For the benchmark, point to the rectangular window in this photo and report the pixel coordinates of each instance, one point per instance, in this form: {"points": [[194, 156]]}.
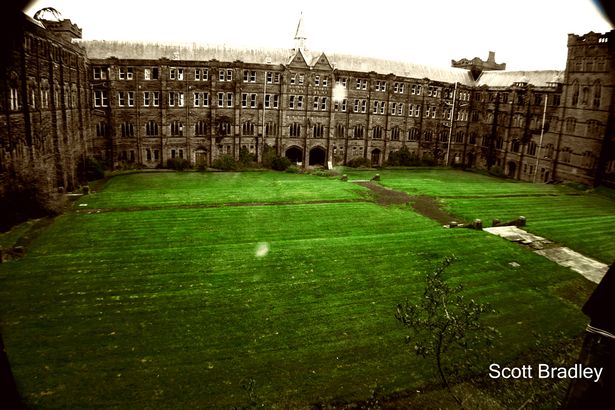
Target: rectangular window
{"points": [[171, 99], [269, 77], [221, 75], [205, 99], [229, 74], [276, 101], [131, 98], [301, 78], [156, 99], [291, 102], [316, 103], [323, 103], [364, 106], [253, 101], [100, 73], [317, 81], [325, 81], [14, 99], [229, 99], [121, 99], [147, 74], [100, 99], [197, 99], [300, 102], [267, 100], [244, 100], [220, 99]]}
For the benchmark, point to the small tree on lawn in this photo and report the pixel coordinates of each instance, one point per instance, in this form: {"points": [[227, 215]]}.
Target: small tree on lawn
{"points": [[445, 325]]}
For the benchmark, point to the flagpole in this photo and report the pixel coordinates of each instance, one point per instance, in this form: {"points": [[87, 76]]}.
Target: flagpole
{"points": [[542, 131]]}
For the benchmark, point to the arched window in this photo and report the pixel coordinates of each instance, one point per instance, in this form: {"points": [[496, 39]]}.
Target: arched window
{"points": [[358, 131], [151, 129], [318, 131], [377, 132], [597, 94], [247, 128], [177, 129], [340, 131], [295, 129], [575, 93], [395, 134], [200, 128]]}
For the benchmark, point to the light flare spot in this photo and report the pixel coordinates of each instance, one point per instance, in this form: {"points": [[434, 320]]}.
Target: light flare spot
{"points": [[262, 249]]}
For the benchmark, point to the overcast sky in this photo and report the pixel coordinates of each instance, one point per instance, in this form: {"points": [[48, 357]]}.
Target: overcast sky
{"points": [[525, 34]]}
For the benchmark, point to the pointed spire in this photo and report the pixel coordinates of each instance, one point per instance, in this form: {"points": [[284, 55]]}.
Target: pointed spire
{"points": [[300, 36]]}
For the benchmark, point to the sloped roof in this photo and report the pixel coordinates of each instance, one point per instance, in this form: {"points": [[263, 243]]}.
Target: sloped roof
{"points": [[507, 78], [100, 49], [402, 69]]}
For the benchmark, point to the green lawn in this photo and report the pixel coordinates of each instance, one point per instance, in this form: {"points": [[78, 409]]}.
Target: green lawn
{"points": [[165, 306]]}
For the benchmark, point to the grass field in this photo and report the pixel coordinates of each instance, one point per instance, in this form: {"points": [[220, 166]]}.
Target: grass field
{"points": [[149, 297]]}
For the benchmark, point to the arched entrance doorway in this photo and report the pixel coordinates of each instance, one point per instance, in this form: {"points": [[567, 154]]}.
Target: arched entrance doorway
{"points": [[294, 154], [512, 168], [201, 159], [470, 158], [376, 157], [317, 156]]}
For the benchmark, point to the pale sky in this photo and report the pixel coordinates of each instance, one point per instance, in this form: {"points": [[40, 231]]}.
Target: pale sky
{"points": [[525, 34]]}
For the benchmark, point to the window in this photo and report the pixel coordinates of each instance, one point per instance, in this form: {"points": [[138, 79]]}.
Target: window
{"points": [[100, 99], [427, 135], [151, 129], [316, 81], [271, 129], [14, 100], [177, 129], [340, 131], [571, 124], [575, 93], [593, 128], [301, 78], [125, 73], [531, 148], [249, 76], [147, 99], [220, 99], [156, 99], [398, 88], [361, 84], [381, 85], [415, 89], [363, 106], [100, 73], [131, 98], [229, 99], [358, 132], [472, 138], [395, 134], [588, 160], [127, 130], [459, 136], [247, 128], [566, 153], [318, 130], [597, 94], [101, 129], [224, 127], [269, 103], [121, 98], [200, 128], [201, 74], [176, 73], [291, 102], [225, 74], [316, 103], [515, 146], [413, 134], [295, 129]]}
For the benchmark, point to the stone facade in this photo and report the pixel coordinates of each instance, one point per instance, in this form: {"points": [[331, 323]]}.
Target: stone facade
{"points": [[143, 104], [45, 101]]}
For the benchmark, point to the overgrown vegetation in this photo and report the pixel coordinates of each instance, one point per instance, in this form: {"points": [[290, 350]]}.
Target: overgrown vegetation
{"points": [[359, 162]]}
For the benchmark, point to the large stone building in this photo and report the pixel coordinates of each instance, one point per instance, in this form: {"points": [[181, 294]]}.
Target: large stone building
{"points": [[145, 103]]}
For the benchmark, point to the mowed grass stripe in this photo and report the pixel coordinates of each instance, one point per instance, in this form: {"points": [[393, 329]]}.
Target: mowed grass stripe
{"points": [[202, 188], [172, 308]]}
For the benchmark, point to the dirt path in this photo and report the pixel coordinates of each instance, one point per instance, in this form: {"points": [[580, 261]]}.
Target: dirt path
{"points": [[424, 205]]}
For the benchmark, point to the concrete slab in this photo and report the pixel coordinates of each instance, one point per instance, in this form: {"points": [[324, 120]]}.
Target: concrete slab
{"points": [[590, 268], [515, 234]]}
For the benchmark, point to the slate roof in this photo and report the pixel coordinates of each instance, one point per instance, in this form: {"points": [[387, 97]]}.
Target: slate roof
{"points": [[101, 49], [507, 78]]}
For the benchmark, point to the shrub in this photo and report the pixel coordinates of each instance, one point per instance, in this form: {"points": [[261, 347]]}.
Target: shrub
{"points": [[280, 163], [246, 157], [92, 169], [293, 169], [403, 158], [226, 163], [178, 164], [29, 192], [359, 162], [497, 171]]}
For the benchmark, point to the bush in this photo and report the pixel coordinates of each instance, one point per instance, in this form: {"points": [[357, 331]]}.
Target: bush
{"points": [[178, 164], [246, 157], [497, 171], [29, 193], [293, 169], [403, 158], [359, 162], [92, 169], [280, 163], [226, 163]]}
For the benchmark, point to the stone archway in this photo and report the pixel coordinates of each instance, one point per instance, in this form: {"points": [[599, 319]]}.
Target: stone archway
{"points": [[294, 154], [376, 153], [470, 159], [512, 168], [318, 156], [201, 159]]}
